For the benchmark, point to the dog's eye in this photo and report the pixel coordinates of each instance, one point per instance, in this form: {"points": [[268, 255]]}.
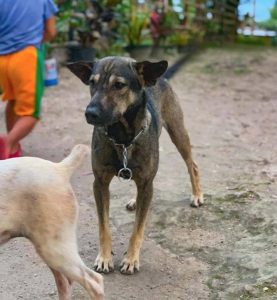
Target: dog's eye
{"points": [[92, 82], [119, 85]]}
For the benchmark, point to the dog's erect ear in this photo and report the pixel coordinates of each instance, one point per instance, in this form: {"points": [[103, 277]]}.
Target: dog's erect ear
{"points": [[150, 72], [81, 69]]}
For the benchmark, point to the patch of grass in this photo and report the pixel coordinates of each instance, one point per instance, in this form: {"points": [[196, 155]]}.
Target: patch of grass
{"points": [[239, 197], [227, 274], [259, 291], [241, 70], [268, 288], [254, 40]]}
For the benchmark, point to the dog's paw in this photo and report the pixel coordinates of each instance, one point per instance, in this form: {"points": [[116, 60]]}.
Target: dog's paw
{"points": [[197, 200], [103, 264], [99, 287], [129, 266], [131, 205]]}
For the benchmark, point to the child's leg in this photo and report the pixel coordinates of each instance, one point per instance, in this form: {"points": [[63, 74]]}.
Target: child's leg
{"points": [[11, 119], [25, 74], [23, 126], [10, 115]]}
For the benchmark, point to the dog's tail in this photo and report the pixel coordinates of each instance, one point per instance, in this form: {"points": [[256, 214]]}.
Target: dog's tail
{"points": [[75, 158]]}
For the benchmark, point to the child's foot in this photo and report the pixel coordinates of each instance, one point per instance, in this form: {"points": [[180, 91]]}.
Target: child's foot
{"points": [[4, 150], [17, 153]]}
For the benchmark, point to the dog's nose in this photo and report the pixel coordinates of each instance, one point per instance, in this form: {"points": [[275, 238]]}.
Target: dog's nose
{"points": [[92, 114]]}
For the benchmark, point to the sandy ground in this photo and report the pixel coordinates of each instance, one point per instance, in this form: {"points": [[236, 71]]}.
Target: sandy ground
{"points": [[224, 250]]}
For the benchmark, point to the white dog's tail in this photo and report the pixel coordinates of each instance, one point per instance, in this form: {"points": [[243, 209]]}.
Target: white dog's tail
{"points": [[75, 158]]}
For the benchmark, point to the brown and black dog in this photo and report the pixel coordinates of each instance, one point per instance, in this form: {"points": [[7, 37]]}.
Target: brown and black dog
{"points": [[130, 103]]}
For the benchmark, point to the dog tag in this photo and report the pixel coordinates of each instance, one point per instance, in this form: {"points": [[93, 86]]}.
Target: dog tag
{"points": [[125, 174]]}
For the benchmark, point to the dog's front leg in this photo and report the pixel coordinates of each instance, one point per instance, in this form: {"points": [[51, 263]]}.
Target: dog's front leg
{"points": [[130, 262], [104, 261]]}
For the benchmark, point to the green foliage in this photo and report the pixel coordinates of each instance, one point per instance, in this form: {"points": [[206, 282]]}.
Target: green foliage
{"points": [[253, 40], [78, 20], [62, 23], [132, 22], [271, 23], [170, 19], [70, 17], [177, 39], [212, 26]]}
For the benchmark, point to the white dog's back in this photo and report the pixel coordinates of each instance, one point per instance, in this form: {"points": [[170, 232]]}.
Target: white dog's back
{"points": [[19, 172], [30, 188]]}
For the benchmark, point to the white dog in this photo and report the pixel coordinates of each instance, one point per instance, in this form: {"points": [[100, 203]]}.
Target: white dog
{"points": [[37, 202]]}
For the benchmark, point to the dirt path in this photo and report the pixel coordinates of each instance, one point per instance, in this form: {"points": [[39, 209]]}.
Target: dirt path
{"points": [[224, 250]]}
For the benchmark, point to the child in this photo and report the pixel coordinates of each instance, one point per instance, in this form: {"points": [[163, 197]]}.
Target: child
{"points": [[24, 26]]}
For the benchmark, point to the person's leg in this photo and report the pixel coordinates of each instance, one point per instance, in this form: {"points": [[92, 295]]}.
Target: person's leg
{"points": [[23, 126], [11, 119], [10, 115], [26, 74], [8, 94]]}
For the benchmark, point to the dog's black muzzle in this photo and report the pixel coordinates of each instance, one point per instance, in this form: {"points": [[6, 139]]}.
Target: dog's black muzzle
{"points": [[97, 117], [93, 115]]}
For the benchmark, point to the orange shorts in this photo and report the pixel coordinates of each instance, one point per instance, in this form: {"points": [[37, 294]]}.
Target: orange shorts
{"points": [[21, 79]]}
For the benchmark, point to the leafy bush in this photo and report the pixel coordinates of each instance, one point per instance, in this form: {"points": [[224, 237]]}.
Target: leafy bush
{"points": [[132, 22]]}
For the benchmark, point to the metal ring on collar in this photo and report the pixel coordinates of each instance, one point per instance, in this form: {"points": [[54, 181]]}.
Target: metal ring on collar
{"points": [[122, 178]]}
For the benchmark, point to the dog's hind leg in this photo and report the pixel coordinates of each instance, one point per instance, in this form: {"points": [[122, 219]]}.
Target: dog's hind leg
{"points": [[104, 260], [131, 205], [174, 124], [93, 284], [63, 285], [67, 266]]}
